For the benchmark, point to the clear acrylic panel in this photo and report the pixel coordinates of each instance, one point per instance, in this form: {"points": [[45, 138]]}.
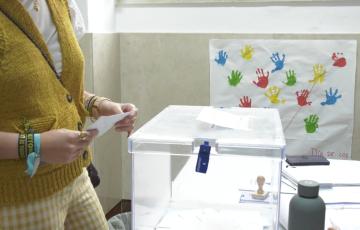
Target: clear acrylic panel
{"points": [[168, 193]]}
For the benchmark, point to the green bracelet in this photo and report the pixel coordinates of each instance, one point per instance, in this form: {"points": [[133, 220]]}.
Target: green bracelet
{"points": [[22, 146]]}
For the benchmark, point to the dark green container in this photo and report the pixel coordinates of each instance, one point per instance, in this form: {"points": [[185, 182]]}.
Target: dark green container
{"points": [[307, 209]]}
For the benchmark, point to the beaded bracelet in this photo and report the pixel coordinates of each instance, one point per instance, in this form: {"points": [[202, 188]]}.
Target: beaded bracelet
{"points": [[97, 103], [88, 103], [94, 102]]}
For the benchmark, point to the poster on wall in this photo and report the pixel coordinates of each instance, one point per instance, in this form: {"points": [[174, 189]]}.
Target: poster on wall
{"points": [[310, 82]]}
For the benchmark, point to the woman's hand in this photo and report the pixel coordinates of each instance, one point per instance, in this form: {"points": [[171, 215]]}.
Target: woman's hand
{"points": [[60, 146], [107, 108]]}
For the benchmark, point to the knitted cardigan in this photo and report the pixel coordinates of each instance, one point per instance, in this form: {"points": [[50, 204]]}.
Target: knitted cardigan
{"points": [[33, 97]]}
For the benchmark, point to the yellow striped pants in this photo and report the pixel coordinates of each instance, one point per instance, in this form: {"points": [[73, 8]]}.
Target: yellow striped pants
{"points": [[75, 207]]}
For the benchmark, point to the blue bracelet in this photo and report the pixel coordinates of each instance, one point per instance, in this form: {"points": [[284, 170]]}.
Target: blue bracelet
{"points": [[33, 159]]}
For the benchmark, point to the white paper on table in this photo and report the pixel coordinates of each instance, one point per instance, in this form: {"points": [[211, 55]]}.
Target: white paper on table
{"points": [[342, 204], [334, 196], [345, 217], [224, 119], [104, 123], [338, 173], [212, 219]]}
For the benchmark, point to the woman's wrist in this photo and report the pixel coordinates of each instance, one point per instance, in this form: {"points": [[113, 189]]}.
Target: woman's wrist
{"points": [[9, 146], [93, 105], [96, 108]]}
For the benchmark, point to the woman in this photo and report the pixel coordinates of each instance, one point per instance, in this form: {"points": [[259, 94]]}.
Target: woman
{"points": [[43, 109]]}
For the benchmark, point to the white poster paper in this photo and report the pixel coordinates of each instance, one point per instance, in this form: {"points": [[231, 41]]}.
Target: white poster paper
{"points": [[311, 82]]}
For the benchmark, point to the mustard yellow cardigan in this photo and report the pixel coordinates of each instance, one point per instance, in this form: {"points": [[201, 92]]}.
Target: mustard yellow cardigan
{"points": [[30, 93]]}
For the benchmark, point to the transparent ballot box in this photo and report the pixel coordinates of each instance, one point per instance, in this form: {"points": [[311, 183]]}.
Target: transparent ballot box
{"points": [[204, 168]]}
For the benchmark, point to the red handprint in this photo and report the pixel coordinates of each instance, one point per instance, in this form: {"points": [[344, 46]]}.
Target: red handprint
{"points": [[302, 97], [263, 80], [338, 59], [245, 102]]}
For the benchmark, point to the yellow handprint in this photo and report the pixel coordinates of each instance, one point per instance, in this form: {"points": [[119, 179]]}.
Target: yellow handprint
{"points": [[273, 95], [319, 74], [247, 52]]}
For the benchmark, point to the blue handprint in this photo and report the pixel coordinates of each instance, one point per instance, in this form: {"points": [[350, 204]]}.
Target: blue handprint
{"points": [[279, 63], [222, 57], [331, 97]]}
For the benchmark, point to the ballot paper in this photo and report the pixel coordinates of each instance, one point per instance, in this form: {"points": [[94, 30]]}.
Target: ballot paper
{"points": [[219, 117], [104, 123]]}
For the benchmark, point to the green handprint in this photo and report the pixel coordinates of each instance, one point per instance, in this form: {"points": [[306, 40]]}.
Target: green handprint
{"points": [[311, 123], [247, 52], [235, 78], [291, 78]]}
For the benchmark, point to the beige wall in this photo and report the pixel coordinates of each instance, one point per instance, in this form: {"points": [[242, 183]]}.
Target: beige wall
{"points": [[102, 77], [153, 71]]}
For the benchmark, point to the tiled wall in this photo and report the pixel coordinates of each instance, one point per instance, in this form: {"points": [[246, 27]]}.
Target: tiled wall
{"points": [[153, 71]]}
